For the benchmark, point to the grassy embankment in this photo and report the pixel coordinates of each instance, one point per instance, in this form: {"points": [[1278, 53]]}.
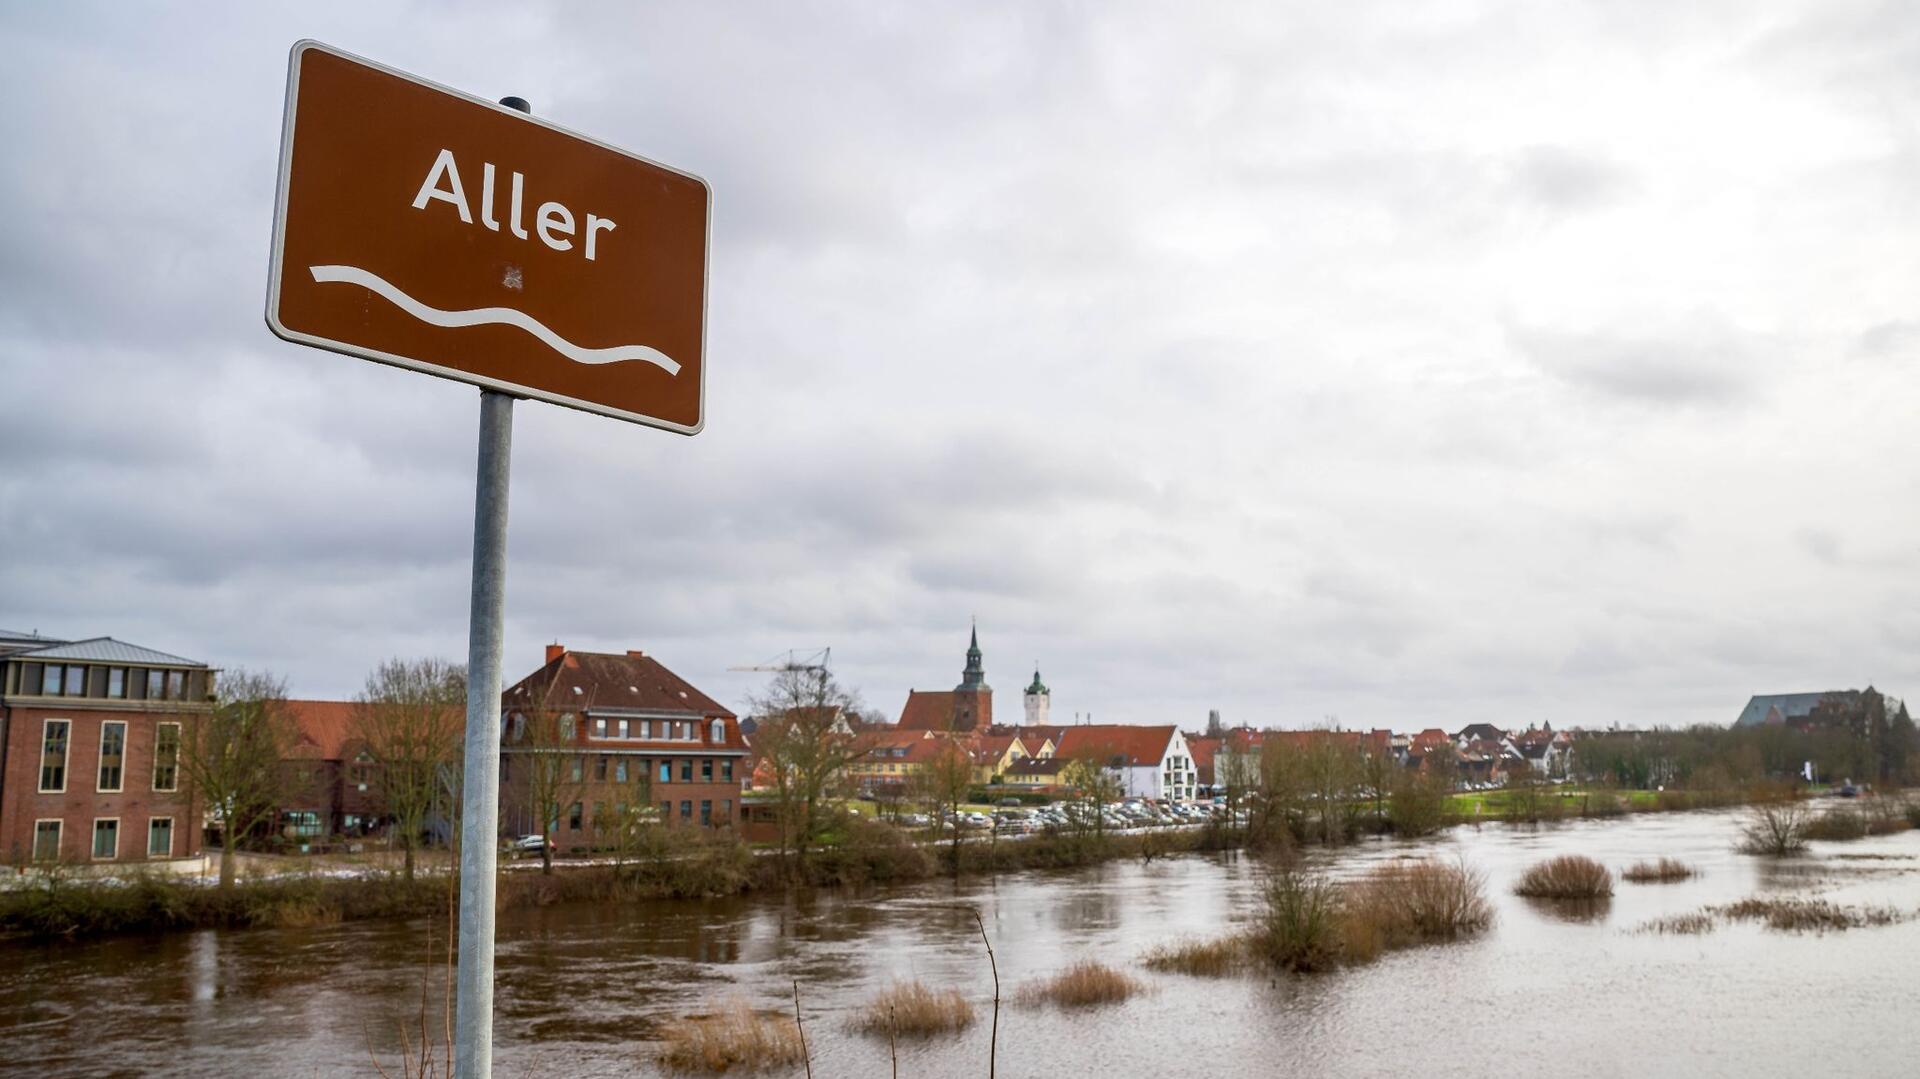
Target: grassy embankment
{"points": [[681, 865]]}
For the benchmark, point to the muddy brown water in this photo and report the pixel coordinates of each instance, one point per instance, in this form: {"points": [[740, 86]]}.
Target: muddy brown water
{"points": [[585, 990]]}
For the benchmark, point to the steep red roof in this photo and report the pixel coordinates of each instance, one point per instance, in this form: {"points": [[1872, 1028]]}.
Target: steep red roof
{"points": [[607, 687], [1202, 748], [935, 710], [321, 729], [927, 710], [1140, 746]]}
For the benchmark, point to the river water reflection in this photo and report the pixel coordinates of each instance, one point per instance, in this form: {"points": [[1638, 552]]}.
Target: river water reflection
{"points": [[584, 990]]}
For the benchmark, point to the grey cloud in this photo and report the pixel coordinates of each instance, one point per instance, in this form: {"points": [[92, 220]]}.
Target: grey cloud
{"points": [[1697, 362]]}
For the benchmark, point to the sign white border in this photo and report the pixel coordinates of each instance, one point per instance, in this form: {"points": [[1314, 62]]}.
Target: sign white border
{"points": [[513, 388]]}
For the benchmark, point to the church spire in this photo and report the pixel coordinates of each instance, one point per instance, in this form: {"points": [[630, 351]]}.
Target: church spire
{"points": [[975, 675]]}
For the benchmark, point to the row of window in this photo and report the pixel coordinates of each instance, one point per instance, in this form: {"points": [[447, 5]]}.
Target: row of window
{"points": [[108, 683], [652, 730], [619, 769], [576, 813], [668, 730], [106, 838], [55, 741]]}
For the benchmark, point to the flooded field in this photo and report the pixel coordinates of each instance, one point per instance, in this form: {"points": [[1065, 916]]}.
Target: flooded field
{"points": [[585, 991]]}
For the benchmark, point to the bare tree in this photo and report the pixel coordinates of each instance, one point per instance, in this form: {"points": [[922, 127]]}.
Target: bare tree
{"points": [[632, 819], [232, 756], [1332, 767], [548, 769], [1277, 801], [807, 745], [1090, 774], [411, 717], [944, 782]]}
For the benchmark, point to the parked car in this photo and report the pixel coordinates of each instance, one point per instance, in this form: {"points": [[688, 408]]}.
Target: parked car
{"points": [[527, 844], [1011, 802]]}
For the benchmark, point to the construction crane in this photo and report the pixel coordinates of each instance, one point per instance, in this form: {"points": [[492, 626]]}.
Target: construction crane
{"points": [[793, 660]]}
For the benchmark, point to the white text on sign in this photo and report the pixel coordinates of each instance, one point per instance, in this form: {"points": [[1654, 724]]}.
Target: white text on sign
{"points": [[552, 221]]}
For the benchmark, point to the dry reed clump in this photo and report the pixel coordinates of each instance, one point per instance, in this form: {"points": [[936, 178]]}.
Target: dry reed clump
{"points": [[1214, 958], [733, 1037], [1664, 871], [912, 1010], [1809, 915], [1312, 924], [1082, 985], [1570, 876], [1699, 921], [1838, 825], [1398, 906]]}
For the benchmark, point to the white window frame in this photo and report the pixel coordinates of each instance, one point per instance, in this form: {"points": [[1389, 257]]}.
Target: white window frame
{"points": [[100, 757], [169, 851], [59, 836], [66, 756], [717, 732], [93, 840], [179, 748], [624, 727]]}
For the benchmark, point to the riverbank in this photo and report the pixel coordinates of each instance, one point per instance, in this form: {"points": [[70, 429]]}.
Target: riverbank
{"points": [[684, 866], [54, 905]]}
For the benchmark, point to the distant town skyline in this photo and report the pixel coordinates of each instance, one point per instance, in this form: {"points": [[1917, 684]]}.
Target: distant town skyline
{"points": [[1413, 368]]}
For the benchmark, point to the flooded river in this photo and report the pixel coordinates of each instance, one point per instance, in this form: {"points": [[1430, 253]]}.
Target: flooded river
{"points": [[585, 990]]}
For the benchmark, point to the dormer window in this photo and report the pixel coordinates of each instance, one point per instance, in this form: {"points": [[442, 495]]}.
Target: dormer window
{"points": [[717, 732]]}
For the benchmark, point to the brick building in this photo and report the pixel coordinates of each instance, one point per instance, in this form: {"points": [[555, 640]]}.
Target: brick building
{"points": [[965, 708], [329, 775], [624, 728], [91, 734]]}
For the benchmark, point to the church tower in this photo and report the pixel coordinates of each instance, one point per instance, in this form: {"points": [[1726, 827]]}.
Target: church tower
{"points": [[973, 698], [1038, 698]]}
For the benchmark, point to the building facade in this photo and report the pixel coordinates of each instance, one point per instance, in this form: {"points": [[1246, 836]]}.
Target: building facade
{"points": [[624, 732], [91, 737]]}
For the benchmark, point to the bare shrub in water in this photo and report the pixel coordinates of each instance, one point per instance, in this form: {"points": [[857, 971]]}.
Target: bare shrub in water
{"points": [[1570, 876], [733, 1037], [1300, 929], [1775, 825], [1082, 985], [1664, 871], [912, 1010]]}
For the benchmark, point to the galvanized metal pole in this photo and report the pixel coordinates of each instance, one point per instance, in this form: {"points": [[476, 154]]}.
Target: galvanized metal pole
{"points": [[480, 785]]}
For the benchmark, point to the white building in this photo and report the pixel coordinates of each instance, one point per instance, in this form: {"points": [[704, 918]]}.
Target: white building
{"points": [[1150, 762]]}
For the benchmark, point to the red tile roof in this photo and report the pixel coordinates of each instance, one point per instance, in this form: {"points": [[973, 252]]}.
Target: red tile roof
{"points": [[322, 729], [933, 710], [608, 685], [605, 680], [1140, 746]]}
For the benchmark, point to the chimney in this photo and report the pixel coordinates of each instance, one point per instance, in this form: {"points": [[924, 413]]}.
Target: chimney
{"points": [[555, 651], [635, 653]]}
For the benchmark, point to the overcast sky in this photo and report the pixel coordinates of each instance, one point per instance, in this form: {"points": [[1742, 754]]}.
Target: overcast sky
{"points": [[1414, 364]]}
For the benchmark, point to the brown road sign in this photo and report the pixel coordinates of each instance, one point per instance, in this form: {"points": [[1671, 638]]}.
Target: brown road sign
{"points": [[422, 227]]}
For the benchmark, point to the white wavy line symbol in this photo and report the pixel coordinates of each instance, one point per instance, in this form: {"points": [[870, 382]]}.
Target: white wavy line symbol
{"points": [[483, 316]]}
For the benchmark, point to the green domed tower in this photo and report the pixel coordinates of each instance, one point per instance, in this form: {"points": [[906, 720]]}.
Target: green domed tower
{"points": [[1038, 698]]}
